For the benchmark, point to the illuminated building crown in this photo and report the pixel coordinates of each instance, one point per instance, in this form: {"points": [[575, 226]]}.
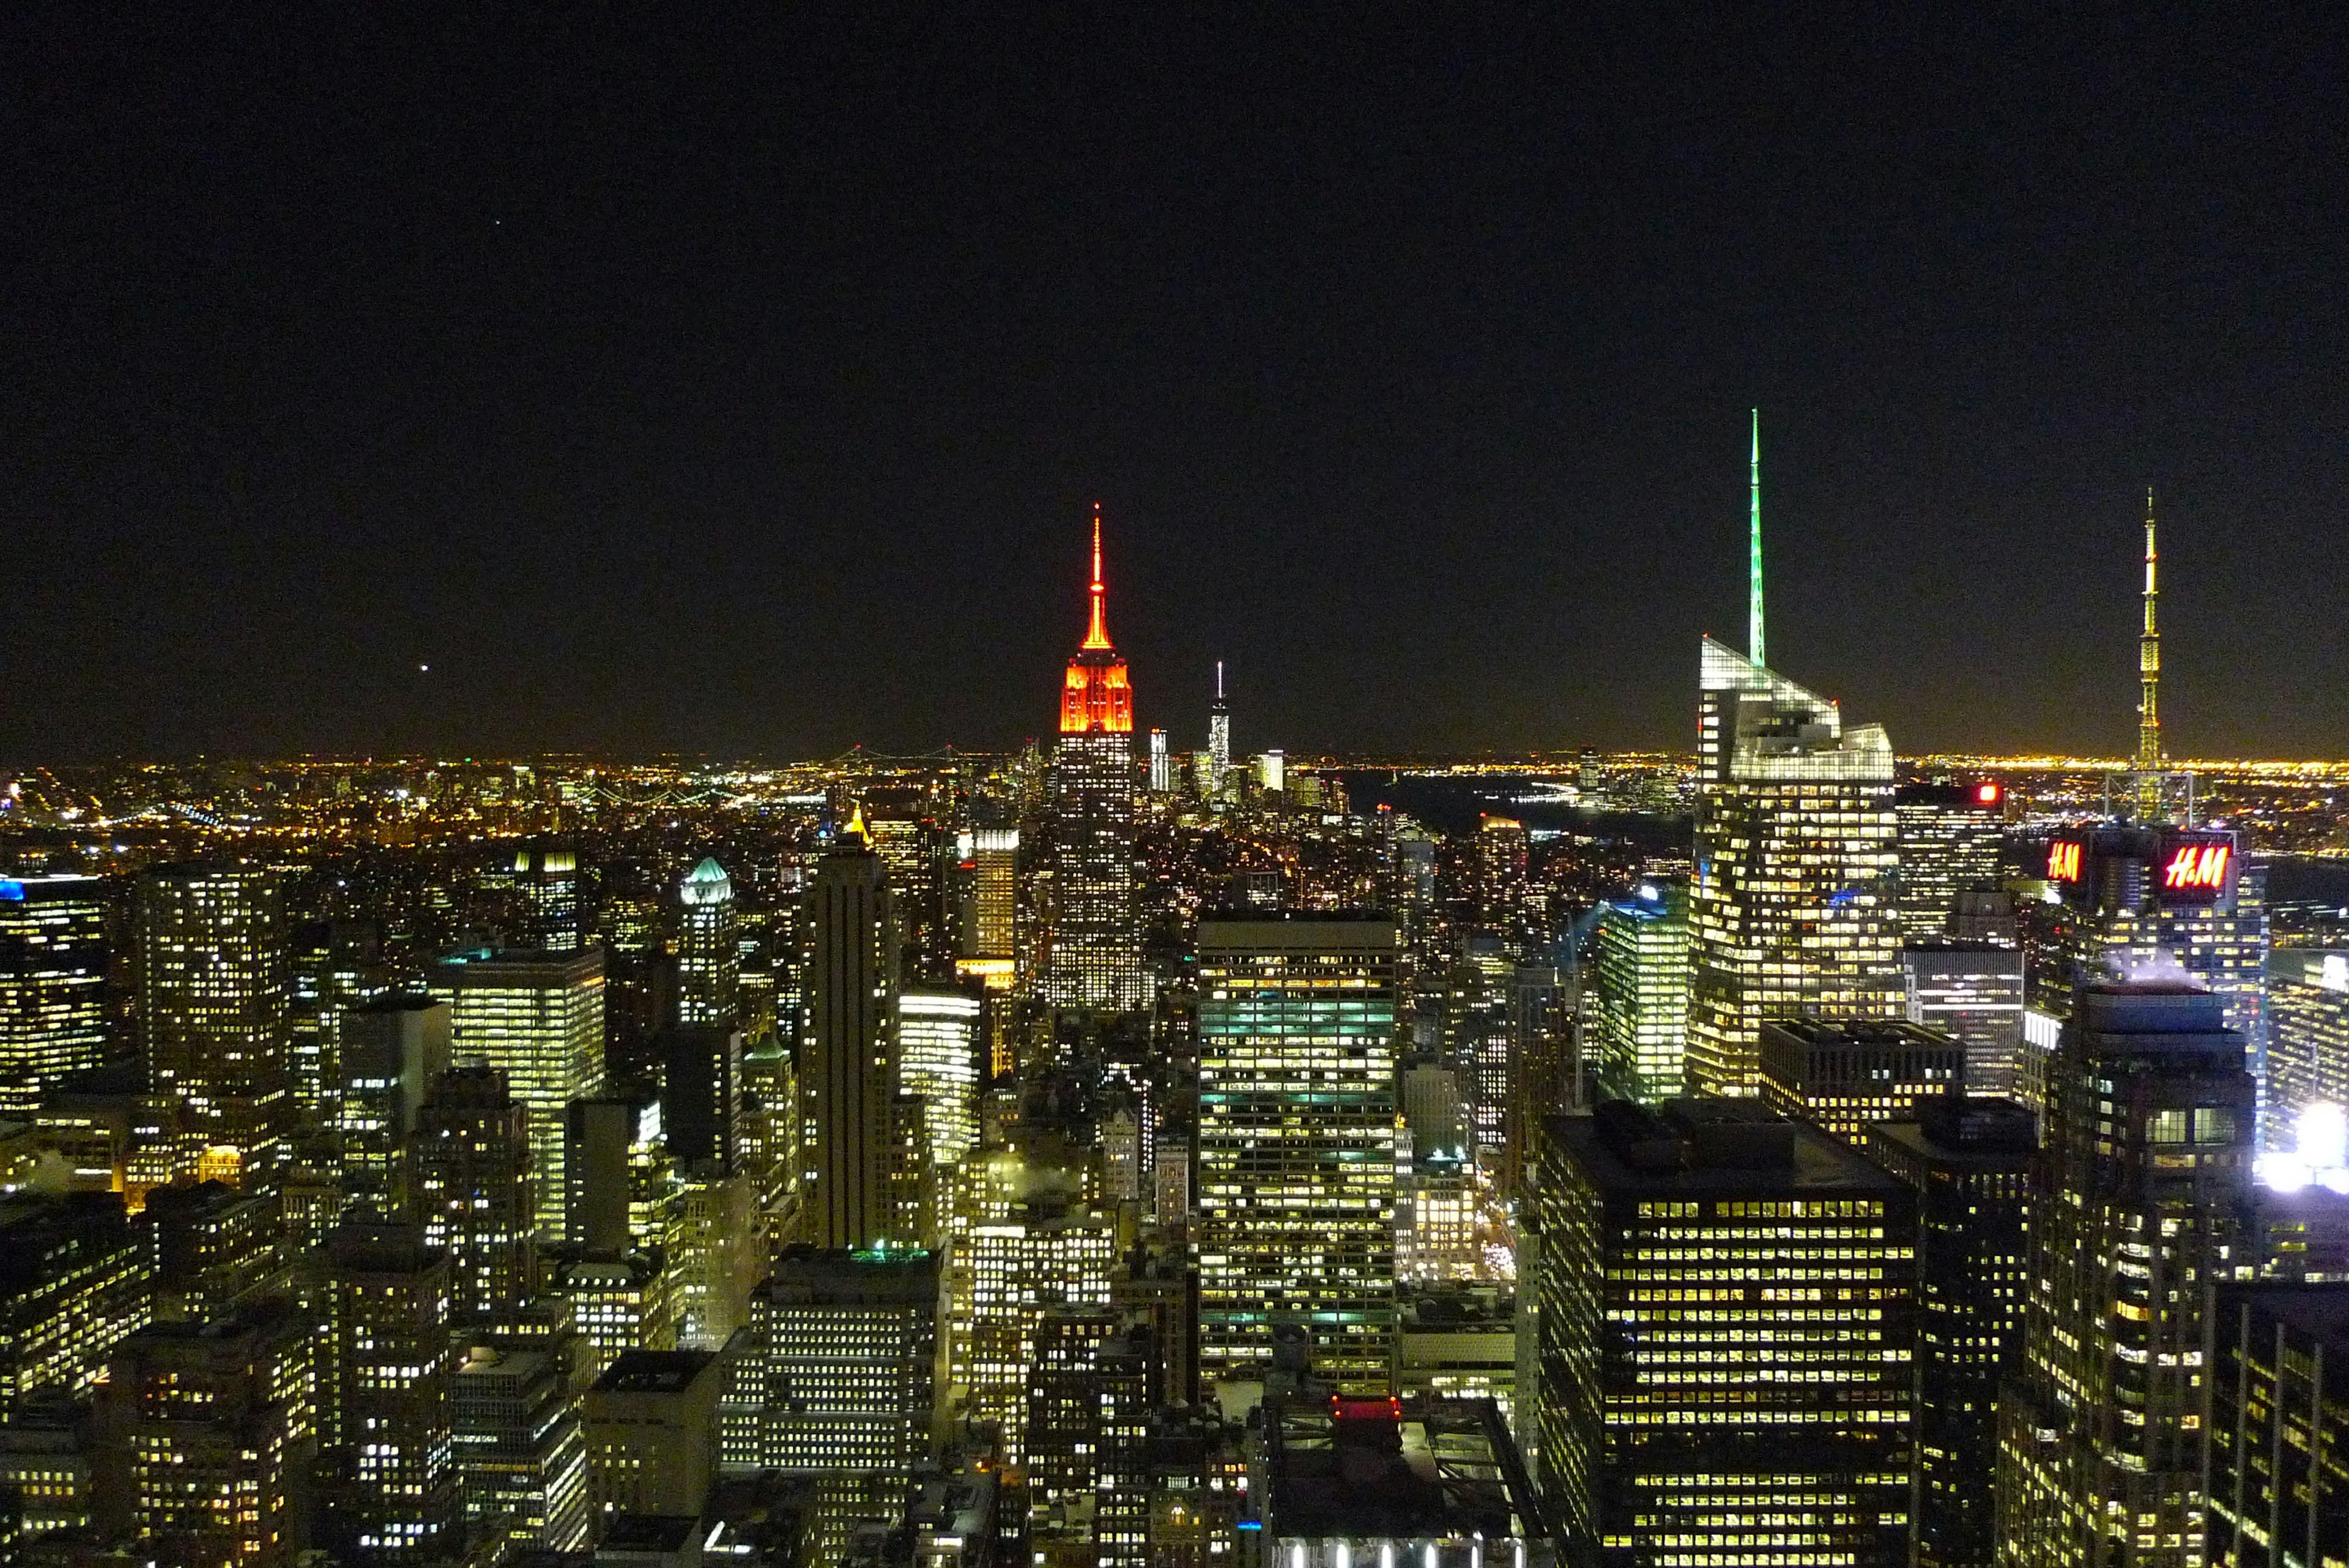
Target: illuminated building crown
{"points": [[1097, 698]]}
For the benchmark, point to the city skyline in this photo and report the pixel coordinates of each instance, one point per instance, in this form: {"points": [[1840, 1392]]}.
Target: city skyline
{"points": [[1412, 368]]}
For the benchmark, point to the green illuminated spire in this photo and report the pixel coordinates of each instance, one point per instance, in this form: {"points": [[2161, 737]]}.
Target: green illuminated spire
{"points": [[1754, 648]]}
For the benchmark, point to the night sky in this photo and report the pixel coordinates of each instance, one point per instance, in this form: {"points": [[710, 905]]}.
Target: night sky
{"points": [[744, 388]]}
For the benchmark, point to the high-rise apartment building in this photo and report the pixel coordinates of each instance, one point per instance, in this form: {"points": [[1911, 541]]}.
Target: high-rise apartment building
{"points": [[387, 1444], [53, 955], [1093, 956], [1638, 1039], [708, 955], [2279, 1427], [1969, 1161], [214, 1427], [538, 1018], [1796, 902], [475, 1191], [1846, 1072], [1725, 1314], [1971, 990], [1950, 835], [848, 1073], [1296, 1141], [213, 1011], [2145, 1172]]}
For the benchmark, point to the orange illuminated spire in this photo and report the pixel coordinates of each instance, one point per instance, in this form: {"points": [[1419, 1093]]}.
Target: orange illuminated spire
{"points": [[1097, 633]]}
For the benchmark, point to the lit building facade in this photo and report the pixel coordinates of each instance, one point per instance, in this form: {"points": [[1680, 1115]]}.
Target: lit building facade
{"points": [[1973, 989], [520, 1458], [2308, 1030], [75, 1280], [1950, 837], [53, 954], [1969, 1161], [1846, 1072], [1691, 1257], [938, 1045], [1093, 952], [1297, 1135], [708, 955], [387, 1445], [538, 1018], [1638, 1042], [392, 1049], [846, 1343], [475, 1193], [2144, 1202], [2278, 1428], [1795, 904], [989, 864], [213, 999]]}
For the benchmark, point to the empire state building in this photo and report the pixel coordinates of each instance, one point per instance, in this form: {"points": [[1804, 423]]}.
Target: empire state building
{"points": [[1094, 958]]}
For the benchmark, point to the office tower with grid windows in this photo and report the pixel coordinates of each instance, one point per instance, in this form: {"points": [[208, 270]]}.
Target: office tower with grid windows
{"points": [[1843, 1074], [2143, 1204], [2308, 1030], [848, 1071], [1726, 1316], [53, 956], [1949, 837], [1639, 962], [521, 1459], [938, 1067], [75, 1279], [1795, 904], [1969, 1161], [1094, 951], [845, 1344], [1297, 1142], [538, 1018], [1973, 989], [213, 998]]}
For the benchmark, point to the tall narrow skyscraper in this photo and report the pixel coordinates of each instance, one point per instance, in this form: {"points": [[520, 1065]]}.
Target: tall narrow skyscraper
{"points": [[709, 963], [1094, 956], [1219, 736], [1296, 1129], [849, 1075]]}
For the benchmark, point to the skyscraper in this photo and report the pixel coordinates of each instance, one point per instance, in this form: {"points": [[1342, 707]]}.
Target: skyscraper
{"points": [[1162, 773], [474, 1192], [1094, 955], [2145, 1170], [990, 869], [53, 952], [538, 1018], [392, 1049], [1844, 1074], [1969, 1161], [2279, 1425], [709, 962], [1296, 1141], [938, 1050], [1973, 989], [1641, 953], [1725, 1318], [1950, 835], [849, 1073], [212, 1008], [387, 1443], [1219, 736]]}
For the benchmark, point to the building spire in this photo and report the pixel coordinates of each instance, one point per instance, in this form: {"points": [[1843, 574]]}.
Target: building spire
{"points": [[2149, 667], [1754, 651], [1097, 632], [1219, 680]]}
